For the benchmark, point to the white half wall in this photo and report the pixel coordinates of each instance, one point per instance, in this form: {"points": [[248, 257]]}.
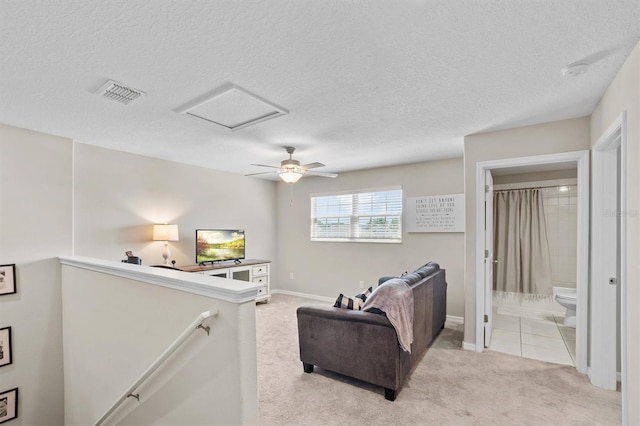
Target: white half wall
{"points": [[115, 327]]}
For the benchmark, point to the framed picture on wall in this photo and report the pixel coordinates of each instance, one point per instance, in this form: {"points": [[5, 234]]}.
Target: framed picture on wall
{"points": [[8, 405], [7, 279], [6, 357]]}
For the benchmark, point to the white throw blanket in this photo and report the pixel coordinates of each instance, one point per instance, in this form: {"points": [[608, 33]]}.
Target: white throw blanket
{"points": [[395, 298]]}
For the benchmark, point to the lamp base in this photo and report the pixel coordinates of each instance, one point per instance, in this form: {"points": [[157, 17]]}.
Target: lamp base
{"points": [[166, 253]]}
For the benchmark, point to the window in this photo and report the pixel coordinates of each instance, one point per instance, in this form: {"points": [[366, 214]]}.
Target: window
{"points": [[373, 216]]}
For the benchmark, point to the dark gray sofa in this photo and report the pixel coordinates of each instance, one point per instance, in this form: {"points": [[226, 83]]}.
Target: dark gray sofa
{"points": [[364, 345]]}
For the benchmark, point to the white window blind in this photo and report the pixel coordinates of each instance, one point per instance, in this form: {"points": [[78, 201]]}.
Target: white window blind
{"points": [[374, 216]]}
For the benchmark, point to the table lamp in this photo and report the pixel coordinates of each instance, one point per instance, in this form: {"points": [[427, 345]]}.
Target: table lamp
{"points": [[165, 233]]}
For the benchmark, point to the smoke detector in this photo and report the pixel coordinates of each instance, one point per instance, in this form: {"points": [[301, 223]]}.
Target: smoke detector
{"points": [[575, 69], [119, 92]]}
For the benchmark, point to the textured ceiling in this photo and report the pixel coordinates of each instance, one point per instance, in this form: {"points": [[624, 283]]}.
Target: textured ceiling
{"points": [[366, 83]]}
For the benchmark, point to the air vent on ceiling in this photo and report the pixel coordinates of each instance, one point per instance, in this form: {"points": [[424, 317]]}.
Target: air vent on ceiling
{"points": [[119, 92], [232, 108]]}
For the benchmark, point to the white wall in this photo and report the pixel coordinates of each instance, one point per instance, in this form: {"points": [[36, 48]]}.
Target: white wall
{"points": [[330, 268], [115, 328], [35, 228], [623, 95], [119, 196], [548, 138]]}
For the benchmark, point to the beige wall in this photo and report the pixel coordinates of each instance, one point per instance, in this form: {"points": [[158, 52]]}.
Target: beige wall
{"points": [[119, 196], [330, 268], [35, 228], [623, 95], [548, 138]]}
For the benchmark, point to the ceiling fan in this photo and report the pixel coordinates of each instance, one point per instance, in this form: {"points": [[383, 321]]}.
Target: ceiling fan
{"points": [[291, 171]]}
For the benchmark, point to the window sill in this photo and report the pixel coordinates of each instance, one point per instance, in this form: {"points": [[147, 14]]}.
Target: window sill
{"points": [[357, 240]]}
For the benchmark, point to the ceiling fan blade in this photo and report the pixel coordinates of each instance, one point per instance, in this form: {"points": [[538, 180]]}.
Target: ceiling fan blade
{"points": [[312, 166], [261, 173], [264, 165], [323, 174]]}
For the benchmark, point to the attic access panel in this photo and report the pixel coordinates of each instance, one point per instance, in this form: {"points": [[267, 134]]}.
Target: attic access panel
{"points": [[232, 107]]}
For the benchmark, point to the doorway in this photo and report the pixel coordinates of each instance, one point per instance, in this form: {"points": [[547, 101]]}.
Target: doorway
{"points": [[535, 251], [484, 286]]}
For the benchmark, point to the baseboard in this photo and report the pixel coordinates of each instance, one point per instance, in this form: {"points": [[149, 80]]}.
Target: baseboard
{"points": [[468, 346], [453, 321], [304, 295]]}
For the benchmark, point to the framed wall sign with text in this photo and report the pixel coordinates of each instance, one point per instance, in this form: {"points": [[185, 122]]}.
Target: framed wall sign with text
{"points": [[435, 213]]}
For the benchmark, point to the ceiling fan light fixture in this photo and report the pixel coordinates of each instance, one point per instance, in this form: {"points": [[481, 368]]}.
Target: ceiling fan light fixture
{"points": [[290, 176], [290, 170]]}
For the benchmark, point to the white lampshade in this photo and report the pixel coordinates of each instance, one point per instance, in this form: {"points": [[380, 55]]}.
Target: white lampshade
{"points": [[165, 232], [290, 176]]}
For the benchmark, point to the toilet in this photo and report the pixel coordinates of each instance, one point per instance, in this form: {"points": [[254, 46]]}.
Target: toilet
{"points": [[567, 298]]}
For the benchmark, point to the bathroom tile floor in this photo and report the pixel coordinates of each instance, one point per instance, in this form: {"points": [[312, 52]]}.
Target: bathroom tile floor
{"points": [[542, 337]]}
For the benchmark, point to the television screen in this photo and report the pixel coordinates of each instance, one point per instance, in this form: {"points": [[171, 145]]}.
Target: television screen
{"points": [[214, 245]]}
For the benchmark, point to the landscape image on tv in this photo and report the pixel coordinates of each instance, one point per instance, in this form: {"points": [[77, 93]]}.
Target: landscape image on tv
{"points": [[213, 245]]}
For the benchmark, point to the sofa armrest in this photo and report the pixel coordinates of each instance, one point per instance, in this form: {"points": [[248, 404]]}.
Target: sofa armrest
{"points": [[354, 343]]}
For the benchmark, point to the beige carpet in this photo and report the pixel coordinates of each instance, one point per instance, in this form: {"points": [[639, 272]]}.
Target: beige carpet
{"points": [[450, 386]]}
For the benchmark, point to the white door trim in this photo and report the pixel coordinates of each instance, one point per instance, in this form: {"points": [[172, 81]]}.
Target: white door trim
{"points": [[581, 158], [489, 258], [600, 368]]}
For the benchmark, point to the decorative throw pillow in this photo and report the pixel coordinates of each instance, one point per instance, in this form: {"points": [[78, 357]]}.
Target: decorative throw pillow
{"points": [[343, 302], [354, 304], [363, 297]]}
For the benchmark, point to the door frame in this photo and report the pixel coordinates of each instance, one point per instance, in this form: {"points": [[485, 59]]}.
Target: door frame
{"points": [[581, 158], [599, 370], [489, 257]]}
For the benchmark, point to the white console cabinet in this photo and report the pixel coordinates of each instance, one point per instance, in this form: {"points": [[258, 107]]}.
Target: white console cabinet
{"points": [[252, 270]]}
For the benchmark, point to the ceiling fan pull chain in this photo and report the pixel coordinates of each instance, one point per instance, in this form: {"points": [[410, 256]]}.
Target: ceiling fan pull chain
{"points": [[291, 195]]}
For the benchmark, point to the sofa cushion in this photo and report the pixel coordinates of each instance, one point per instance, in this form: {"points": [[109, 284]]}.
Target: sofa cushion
{"points": [[423, 272], [383, 279], [411, 278], [354, 303], [427, 269]]}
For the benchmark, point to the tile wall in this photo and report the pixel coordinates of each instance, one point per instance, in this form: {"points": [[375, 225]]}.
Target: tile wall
{"points": [[561, 215]]}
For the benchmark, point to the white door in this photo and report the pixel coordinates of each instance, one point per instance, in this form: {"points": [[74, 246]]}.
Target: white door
{"points": [[606, 252], [488, 257]]}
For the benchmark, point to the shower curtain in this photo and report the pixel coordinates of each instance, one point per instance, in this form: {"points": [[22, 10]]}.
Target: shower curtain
{"points": [[520, 243]]}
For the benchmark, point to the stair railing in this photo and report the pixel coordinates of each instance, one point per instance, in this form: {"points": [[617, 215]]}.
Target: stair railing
{"points": [[195, 325]]}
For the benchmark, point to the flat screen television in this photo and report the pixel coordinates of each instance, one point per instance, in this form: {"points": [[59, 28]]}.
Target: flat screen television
{"points": [[216, 245]]}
